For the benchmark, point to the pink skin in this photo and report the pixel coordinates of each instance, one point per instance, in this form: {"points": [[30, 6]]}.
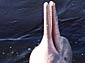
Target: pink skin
{"points": [[53, 48]]}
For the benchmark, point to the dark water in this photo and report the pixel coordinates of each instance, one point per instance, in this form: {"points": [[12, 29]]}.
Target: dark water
{"points": [[21, 28]]}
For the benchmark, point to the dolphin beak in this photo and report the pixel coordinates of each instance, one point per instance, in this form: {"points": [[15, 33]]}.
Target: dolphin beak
{"points": [[51, 29]]}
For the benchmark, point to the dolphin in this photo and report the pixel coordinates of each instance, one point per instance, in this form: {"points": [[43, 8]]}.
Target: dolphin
{"points": [[53, 47]]}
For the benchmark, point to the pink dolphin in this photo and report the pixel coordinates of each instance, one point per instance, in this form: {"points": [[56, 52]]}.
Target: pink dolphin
{"points": [[53, 47]]}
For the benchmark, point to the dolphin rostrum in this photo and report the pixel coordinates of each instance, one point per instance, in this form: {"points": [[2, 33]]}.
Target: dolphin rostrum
{"points": [[53, 47]]}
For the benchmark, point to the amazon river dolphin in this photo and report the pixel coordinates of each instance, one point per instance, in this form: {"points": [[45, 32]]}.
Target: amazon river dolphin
{"points": [[53, 47]]}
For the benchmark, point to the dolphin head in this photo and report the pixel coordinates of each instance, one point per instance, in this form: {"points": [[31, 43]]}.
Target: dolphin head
{"points": [[53, 47]]}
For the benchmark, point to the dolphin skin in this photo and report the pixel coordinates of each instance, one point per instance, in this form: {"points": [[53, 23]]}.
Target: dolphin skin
{"points": [[53, 47]]}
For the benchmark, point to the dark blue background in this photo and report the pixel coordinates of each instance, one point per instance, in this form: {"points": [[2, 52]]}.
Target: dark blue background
{"points": [[21, 28]]}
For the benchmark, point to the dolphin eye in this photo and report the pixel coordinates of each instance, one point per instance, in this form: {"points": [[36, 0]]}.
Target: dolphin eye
{"points": [[65, 58]]}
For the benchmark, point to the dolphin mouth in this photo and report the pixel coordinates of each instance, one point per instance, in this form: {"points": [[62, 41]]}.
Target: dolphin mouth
{"points": [[51, 29]]}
